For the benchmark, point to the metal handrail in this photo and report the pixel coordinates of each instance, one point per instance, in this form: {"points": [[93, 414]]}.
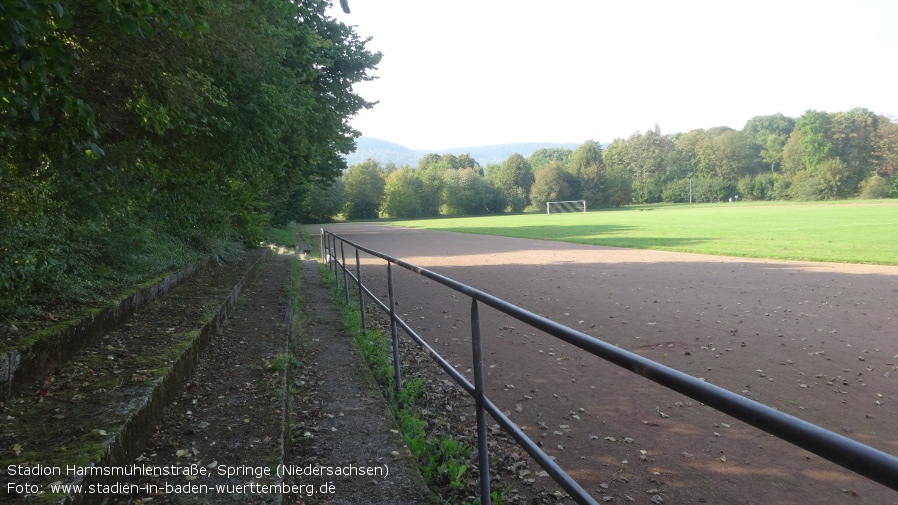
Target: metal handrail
{"points": [[867, 461]]}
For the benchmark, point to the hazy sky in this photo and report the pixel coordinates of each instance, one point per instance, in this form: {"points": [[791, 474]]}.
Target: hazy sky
{"points": [[464, 73]]}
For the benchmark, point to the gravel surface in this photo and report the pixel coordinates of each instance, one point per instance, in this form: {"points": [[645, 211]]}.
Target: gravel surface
{"points": [[814, 340]]}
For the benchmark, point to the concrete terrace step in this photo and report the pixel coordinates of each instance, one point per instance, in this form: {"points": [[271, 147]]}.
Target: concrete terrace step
{"points": [[228, 421], [247, 397], [99, 407], [34, 355]]}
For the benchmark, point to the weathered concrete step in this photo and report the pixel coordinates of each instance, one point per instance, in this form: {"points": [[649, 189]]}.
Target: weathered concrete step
{"points": [[228, 422], [36, 354], [98, 409]]}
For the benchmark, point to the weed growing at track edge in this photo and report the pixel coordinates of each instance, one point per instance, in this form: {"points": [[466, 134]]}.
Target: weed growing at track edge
{"points": [[442, 460]]}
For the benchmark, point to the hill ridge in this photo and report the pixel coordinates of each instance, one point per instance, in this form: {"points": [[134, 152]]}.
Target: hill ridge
{"points": [[385, 151]]}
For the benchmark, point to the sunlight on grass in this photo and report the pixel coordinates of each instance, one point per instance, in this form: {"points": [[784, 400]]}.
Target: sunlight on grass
{"points": [[847, 232]]}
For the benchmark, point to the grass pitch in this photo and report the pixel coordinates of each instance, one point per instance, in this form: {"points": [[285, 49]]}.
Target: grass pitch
{"points": [[844, 232]]}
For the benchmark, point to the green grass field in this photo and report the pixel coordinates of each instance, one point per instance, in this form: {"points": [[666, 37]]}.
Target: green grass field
{"points": [[845, 232]]}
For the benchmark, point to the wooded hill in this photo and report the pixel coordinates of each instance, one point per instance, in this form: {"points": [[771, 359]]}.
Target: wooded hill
{"points": [[386, 152], [138, 135]]}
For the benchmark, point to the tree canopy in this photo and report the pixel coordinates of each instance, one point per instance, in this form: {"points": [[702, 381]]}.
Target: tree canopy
{"points": [[137, 134], [817, 156]]}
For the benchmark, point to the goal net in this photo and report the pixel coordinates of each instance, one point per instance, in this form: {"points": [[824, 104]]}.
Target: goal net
{"points": [[567, 206]]}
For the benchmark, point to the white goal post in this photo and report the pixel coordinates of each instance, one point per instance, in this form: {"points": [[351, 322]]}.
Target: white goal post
{"points": [[566, 206]]}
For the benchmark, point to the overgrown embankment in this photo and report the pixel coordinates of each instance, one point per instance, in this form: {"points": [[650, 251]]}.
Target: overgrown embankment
{"points": [[138, 136]]}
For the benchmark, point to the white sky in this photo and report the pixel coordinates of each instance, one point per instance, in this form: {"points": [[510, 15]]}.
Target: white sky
{"points": [[465, 73]]}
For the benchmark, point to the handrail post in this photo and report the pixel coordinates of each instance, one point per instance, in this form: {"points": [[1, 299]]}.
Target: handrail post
{"points": [[345, 282], [482, 445], [332, 254], [325, 249], [358, 277], [394, 330]]}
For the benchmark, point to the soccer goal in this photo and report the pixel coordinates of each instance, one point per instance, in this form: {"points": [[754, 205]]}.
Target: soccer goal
{"points": [[567, 206]]}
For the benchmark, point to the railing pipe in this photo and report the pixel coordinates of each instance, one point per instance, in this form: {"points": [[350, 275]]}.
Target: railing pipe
{"points": [[394, 331], [567, 482], [343, 267], [862, 459], [430, 351], [331, 252], [358, 277], [482, 445]]}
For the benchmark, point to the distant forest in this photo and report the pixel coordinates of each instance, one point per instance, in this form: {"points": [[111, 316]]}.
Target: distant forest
{"points": [[818, 156]]}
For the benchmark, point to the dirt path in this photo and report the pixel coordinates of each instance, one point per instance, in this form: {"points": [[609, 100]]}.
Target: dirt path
{"points": [[341, 419], [816, 341]]}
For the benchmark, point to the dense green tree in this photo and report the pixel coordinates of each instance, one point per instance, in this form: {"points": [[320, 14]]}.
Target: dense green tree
{"points": [[402, 195], [449, 162], [854, 136], [432, 184], [832, 174], [731, 155], [693, 155], [618, 187], [767, 135], [467, 193], [587, 167], [429, 160], [887, 147], [552, 183], [587, 154], [200, 121], [364, 190], [319, 203], [390, 167], [646, 156], [543, 156], [717, 152], [815, 138], [793, 161], [806, 186], [466, 161], [514, 178], [618, 181]]}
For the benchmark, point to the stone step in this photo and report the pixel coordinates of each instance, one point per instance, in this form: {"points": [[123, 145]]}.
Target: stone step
{"points": [[229, 420], [97, 409], [33, 355]]}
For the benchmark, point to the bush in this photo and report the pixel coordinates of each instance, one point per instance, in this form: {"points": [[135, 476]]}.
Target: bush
{"points": [[806, 187], [649, 191], [874, 187], [704, 190], [758, 187]]}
